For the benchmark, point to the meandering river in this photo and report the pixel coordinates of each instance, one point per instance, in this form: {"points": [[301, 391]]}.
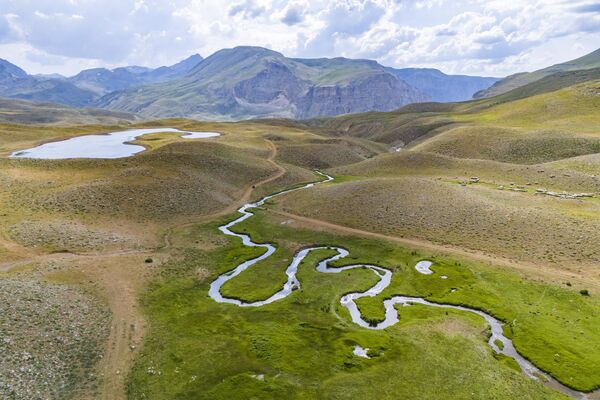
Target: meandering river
{"points": [[349, 300], [110, 145]]}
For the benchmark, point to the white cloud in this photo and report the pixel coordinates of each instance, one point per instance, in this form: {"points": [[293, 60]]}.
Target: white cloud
{"points": [[493, 37]]}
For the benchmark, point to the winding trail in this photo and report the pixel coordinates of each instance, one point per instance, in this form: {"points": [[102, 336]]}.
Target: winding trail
{"points": [[243, 199], [121, 287], [349, 300]]}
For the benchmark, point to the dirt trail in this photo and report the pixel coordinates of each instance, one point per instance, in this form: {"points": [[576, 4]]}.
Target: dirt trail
{"points": [[63, 256], [122, 278], [122, 275], [122, 286], [553, 273], [243, 199]]}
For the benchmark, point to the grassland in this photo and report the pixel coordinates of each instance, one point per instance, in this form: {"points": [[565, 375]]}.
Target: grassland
{"points": [[302, 346], [138, 235], [523, 226], [101, 221], [26, 112]]}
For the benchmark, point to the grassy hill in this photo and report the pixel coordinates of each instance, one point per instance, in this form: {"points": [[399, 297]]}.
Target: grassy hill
{"points": [[553, 118], [588, 61], [27, 112], [484, 189]]}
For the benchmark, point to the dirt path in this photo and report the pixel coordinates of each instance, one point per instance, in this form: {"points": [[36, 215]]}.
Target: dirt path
{"points": [[122, 278], [243, 199], [6, 266], [123, 286], [550, 272]]}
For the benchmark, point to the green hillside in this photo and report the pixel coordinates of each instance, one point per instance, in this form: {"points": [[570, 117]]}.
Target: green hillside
{"points": [[550, 119], [111, 260], [27, 112], [588, 61]]}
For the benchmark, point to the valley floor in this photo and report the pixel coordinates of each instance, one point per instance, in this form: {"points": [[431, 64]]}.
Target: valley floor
{"points": [[122, 253]]}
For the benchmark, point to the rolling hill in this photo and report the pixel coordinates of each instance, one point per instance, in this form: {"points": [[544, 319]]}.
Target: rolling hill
{"points": [[16, 111], [509, 83], [453, 183]]}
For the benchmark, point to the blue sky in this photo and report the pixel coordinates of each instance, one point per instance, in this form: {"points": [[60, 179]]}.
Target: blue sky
{"points": [[493, 37]]}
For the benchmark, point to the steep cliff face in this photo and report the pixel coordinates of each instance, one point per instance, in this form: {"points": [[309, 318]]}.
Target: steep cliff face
{"points": [[274, 83], [380, 92]]}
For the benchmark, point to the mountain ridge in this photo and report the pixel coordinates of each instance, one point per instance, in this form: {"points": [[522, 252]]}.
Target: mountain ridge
{"points": [[86, 87], [245, 82], [252, 82], [588, 61]]}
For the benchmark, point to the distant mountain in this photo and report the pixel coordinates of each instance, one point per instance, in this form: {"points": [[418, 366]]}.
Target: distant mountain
{"points": [[253, 82], [441, 87], [10, 72], [14, 82], [511, 82], [51, 90], [244, 82], [49, 76], [27, 112], [163, 74], [86, 87], [102, 81]]}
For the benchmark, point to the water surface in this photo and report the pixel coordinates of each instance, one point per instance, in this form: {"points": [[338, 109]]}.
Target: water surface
{"points": [[348, 301], [110, 145]]}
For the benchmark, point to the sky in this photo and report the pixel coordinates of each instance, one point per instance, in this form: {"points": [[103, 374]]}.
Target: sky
{"points": [[475, 37]]}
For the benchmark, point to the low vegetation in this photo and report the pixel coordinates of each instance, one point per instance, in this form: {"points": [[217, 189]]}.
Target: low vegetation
{"points": [[52, 338], [302, 345], [502, 194], [518, 225]]}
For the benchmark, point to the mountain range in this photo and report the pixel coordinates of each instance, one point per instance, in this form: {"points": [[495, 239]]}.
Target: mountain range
{"points": [[253, 82], [244, 82], [88, 86]]}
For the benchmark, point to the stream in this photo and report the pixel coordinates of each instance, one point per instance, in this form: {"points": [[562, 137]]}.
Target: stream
{"points": [[348, 301]]}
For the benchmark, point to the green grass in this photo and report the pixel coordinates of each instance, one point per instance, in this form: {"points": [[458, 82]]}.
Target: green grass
{"points": [[303, 344], [532, 309]]}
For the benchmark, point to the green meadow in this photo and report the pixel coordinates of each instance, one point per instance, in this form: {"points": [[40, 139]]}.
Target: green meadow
{"points": [[301, 347]]}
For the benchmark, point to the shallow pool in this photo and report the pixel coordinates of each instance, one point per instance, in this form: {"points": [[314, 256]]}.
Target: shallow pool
{"points": [[110, 145]]}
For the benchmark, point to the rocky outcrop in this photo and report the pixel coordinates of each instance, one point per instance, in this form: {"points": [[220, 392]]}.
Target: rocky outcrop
{"points": [[253, 82], [274, 82], [378, 92]]}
